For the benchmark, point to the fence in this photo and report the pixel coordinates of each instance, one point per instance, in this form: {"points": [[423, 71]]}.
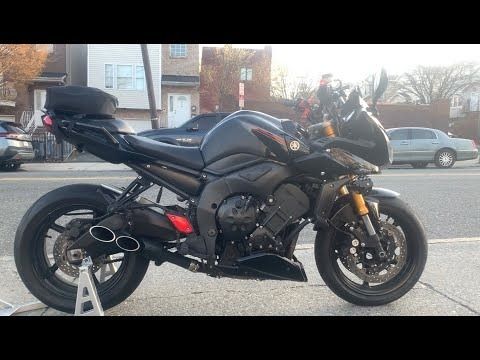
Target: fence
{"points": [[47, 149]]}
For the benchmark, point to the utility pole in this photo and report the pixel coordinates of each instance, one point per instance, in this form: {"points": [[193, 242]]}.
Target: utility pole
{"points": [[150, 92]]}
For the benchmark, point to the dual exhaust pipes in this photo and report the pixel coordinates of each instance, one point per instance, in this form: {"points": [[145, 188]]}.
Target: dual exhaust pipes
{"points": [[106, 235]]}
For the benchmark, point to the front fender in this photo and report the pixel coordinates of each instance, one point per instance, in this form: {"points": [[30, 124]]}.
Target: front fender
{"points": [[343, 210], [379, 193]]}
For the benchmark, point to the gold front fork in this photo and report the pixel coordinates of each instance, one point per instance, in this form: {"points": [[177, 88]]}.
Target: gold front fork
{"points": [[358, 200], [359, 204]]}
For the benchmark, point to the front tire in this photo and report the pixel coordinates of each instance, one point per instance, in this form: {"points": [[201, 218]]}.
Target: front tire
{"points": [[393, 289], [33, 264]]}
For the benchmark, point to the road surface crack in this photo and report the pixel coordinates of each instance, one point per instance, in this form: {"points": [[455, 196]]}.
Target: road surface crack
{"points": [[431, 287]]}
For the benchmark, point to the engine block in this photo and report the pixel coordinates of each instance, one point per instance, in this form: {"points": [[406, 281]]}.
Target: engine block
{"points": [[287, 205]]}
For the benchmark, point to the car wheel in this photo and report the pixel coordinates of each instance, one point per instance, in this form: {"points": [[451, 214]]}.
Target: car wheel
{"points": [[10, 167], [419, 165], [445, 159]]}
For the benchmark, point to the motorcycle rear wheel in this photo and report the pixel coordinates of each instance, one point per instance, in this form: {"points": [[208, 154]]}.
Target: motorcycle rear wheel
{"points": [[41, 275]]}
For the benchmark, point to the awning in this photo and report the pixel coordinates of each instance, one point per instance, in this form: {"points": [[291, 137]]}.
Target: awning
{"points": [[57, 77], [180, 80]]}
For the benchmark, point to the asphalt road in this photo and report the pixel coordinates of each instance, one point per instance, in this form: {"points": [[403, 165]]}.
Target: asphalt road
{"points": [[445, 200]]}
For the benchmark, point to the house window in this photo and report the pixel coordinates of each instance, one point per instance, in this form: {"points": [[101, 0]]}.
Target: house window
{"points": [[139, 78], [422, 134], [108, 76], [178, 50], [124, 77], [399, 134], [456, 101], [246, 74]]}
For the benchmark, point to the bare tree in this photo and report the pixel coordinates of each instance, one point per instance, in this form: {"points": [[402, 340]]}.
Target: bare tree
{"points": [[302, 88], [287, 87], [431, 83], [280, 82]]}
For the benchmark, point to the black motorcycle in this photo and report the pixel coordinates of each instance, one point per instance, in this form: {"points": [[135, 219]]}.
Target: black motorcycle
{"points": [[247, 192]]}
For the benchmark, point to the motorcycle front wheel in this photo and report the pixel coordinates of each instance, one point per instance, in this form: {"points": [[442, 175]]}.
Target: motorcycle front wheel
{"points": [[356, 276]]}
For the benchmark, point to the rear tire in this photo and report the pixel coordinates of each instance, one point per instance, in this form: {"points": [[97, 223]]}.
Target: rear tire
{"points": [[50, 290], [394, 288], [10, 166]]}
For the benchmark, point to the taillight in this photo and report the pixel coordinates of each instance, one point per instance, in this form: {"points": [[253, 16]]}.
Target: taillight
{"points": [[474, 144], [181, 223], [47, 122]]}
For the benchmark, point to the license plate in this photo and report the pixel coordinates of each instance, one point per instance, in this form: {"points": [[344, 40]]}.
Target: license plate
{"points": [[26, 143]]}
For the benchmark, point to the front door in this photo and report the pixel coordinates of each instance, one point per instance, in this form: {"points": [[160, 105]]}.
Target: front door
{"points": [[400, 140], [178, 109]]}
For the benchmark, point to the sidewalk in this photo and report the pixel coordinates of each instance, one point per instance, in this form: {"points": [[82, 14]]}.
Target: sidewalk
{"points": [[74, 166], [169, 290]]}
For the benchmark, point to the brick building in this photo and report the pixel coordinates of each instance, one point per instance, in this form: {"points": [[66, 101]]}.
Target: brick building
{"points": [[180, 83], [254, 72]]}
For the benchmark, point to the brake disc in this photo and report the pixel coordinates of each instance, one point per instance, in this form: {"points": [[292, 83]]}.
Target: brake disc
{"points": [[364, 265], [64, 258]]}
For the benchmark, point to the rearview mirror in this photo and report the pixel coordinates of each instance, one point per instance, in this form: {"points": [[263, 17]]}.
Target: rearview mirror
{"points": [[380, 83]]}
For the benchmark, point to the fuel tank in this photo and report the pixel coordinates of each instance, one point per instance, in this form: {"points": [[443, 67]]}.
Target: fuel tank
{"points": [[248, 132]]}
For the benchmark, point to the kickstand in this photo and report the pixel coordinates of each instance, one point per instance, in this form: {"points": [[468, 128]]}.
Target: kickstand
{"points": [[88, 302]]}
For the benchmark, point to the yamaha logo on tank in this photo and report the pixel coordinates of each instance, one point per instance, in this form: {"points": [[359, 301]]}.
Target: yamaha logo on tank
{"points": [[294, 145]]}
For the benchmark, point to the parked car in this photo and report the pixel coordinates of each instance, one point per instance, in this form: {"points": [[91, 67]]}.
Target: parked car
{"points": [[421, 146], [191, 133], [15, 146]]}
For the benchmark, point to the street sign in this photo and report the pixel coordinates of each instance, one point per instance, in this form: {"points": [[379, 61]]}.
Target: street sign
{"points": [[241, 95]]}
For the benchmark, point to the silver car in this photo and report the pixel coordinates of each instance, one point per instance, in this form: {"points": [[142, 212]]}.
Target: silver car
{"points": [[15, 146], [421, 146]]}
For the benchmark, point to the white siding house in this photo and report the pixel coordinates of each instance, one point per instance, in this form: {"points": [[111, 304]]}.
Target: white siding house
{"points": [[118, 70]]}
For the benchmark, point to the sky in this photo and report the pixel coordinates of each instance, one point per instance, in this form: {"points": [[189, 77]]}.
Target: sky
{"points": [[354, 62]]}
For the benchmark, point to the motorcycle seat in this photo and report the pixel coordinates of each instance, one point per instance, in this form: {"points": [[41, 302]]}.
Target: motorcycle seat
{"points": [[187, 156]]}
